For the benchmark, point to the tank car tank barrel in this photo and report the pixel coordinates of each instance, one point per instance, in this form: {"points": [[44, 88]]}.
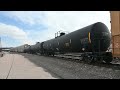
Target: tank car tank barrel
{"points": [[93, 38]]}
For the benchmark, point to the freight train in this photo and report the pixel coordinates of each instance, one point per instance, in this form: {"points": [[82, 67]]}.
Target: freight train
{"points": [[91, 42]]}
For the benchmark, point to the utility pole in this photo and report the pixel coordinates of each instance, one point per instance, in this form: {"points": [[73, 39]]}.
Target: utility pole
{"points": [[0, 45]]}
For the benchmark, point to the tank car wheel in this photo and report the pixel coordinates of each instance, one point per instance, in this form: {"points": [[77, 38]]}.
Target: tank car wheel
{"points": [[108, 57], [53, 55], [88, 59], [99, 60]]}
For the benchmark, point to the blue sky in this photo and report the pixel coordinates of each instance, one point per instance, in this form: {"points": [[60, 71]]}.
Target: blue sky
{"points": [[29, 27]]}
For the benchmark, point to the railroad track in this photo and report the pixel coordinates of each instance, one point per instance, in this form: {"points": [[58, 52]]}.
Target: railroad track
{"points": [[115, 64], [76, 57], [75, 67]]}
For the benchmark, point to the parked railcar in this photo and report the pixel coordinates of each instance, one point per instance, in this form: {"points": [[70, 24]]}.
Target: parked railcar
{"points": [[115, 30], [92, 41], [13, 49], [27, 49], [34, 49], [19, 49], [87, 38]]}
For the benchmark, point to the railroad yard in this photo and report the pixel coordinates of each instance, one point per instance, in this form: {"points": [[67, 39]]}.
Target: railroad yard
{"points": [[29, 66], [91, 51]]}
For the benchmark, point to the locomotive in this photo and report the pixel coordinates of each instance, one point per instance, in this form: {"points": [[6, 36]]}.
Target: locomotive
{"points": [[91, 42]]}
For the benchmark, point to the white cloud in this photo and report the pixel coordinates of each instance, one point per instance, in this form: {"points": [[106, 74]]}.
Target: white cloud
{"points": [[53, 20], [5, 44], [27, 17], [14, 32], [67, 21], [72, 20]]}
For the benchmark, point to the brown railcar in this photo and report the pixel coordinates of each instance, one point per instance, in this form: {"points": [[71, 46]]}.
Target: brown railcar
{"points": [[115, 33]]}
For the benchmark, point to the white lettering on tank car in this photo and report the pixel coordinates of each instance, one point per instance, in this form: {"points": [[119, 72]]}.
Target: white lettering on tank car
{"points": [[57, 49]]}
